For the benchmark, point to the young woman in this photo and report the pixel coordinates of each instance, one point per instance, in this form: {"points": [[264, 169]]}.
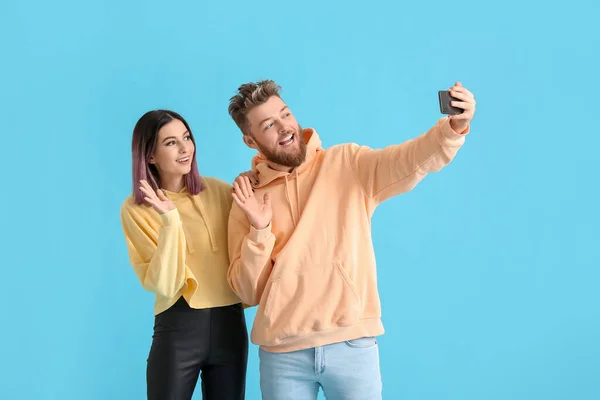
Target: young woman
{"points": [[175, 226]]}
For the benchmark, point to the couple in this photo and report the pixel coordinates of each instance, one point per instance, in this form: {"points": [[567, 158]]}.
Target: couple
{"points": [[293, 236]]}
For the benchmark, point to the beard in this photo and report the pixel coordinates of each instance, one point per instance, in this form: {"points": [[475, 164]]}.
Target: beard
{"points": [[291, 158]]}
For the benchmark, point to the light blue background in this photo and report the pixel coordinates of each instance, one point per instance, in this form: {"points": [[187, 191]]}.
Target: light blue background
{"points": [[489, 270]]}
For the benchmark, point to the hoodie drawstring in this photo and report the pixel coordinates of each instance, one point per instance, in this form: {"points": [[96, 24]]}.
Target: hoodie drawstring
{"points": [[297, 193], [188, 243], [204, 216], [289, 200]]}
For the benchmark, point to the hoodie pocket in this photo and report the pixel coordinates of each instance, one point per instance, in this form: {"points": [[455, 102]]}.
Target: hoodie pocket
{"points": [[271, 297], [347, 279], [316, 299]]}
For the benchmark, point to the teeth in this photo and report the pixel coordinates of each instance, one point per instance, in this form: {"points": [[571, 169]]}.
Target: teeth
{"points": [[183, 159], [287, 139]]}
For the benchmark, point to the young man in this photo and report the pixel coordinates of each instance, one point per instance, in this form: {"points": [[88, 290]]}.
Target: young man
{"points": [[300, 242]]}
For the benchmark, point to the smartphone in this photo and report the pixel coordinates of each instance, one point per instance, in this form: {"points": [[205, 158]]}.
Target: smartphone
{"points": [[445, 107]]}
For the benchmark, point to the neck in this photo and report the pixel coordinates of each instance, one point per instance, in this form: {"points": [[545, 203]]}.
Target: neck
{"points": [[172, 183], [278, 167]]}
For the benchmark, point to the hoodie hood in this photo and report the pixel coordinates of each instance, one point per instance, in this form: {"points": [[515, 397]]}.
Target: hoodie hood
{"points": [[266, 174]]}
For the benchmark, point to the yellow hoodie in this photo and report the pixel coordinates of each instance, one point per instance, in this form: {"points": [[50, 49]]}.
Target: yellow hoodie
{"points": [[184, 251], [312, 271]]}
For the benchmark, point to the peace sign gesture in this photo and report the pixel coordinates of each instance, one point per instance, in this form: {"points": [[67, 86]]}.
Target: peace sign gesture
{"points": [[157, 199]]}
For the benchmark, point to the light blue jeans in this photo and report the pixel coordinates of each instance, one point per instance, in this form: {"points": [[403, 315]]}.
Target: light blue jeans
{"points": [[345, 371]]}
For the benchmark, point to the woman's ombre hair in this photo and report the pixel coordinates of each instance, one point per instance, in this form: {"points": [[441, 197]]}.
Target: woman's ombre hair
{"points": [[143, 145]]}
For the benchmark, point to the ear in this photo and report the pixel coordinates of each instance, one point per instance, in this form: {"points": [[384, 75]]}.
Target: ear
{"points": [[250, 142], [152, 160]]}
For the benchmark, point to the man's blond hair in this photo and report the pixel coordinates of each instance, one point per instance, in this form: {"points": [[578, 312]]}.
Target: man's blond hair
{"points": [[248, 96]]}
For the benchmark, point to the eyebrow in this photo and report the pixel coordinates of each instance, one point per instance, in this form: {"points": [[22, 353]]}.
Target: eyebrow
{"points": [[173, 137], [266, 119]]}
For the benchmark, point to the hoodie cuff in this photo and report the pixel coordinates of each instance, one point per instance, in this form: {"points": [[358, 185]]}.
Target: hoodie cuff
{"points": [[449, 136], [170, 217], [259, 235]]}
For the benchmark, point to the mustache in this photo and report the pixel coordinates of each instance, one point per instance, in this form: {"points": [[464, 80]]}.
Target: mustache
{"points": [[292, 131], [287, 133]]}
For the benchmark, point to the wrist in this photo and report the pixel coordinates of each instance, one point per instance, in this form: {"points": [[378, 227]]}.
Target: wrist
{"points": [[458, 127], [260, 235], [260, 226], [170, 217], [165, 211]]}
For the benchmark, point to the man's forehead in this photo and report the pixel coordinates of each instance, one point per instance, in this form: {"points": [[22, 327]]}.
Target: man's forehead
{"points": [[272, 106]]}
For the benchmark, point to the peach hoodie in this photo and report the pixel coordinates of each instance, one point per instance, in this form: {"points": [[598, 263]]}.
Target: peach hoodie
{"points": [[312, 271]]}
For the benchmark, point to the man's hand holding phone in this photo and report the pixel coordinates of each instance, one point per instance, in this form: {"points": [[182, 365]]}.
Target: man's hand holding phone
{"points": [[459, 104]]}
